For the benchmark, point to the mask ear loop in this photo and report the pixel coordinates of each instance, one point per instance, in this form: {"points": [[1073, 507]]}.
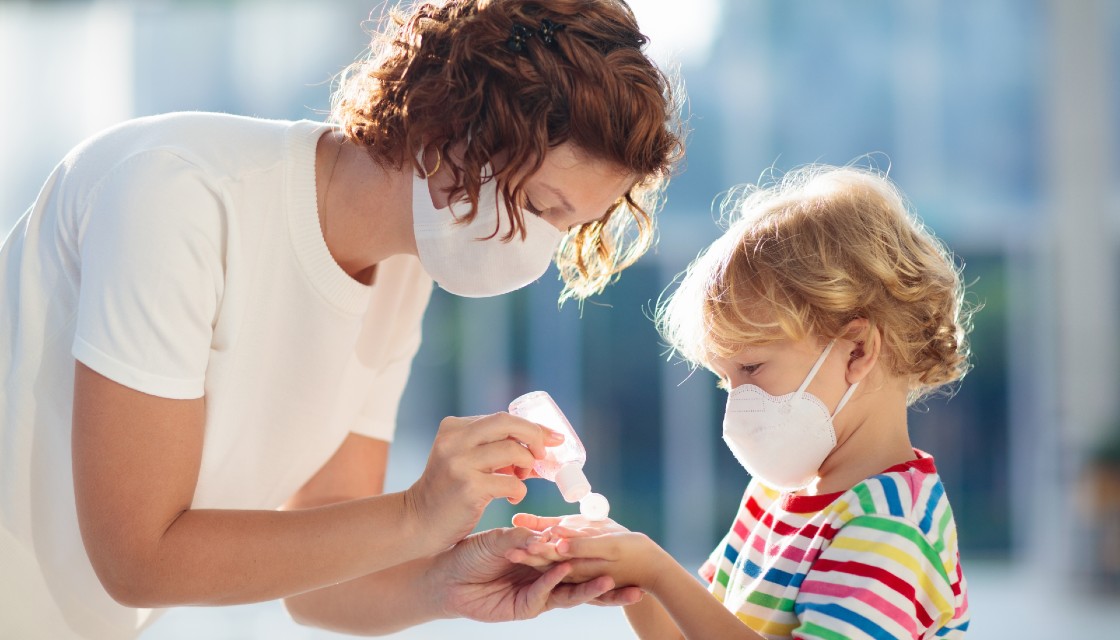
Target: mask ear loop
{"points": [[813, 372], [844, 399]]}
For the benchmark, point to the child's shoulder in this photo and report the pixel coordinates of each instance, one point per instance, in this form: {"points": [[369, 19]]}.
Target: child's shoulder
{"points": [[910, 494]]}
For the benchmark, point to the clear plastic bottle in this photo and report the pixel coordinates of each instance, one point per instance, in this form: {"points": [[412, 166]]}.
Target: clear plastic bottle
{"points": [[562, 464]]}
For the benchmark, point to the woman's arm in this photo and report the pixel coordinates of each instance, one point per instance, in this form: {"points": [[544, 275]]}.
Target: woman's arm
{"points": [[384, 602], [136, 462], [472, 580]]}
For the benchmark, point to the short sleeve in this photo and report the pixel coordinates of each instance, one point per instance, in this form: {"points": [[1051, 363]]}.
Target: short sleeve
{"points": [[879, 578], [720, 565], [151, 276], [708, 570]]}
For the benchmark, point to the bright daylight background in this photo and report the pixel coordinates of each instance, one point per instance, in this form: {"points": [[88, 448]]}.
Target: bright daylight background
{"points": [[998, 118]]}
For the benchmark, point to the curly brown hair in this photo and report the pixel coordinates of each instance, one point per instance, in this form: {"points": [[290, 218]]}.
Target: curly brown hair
{"points": [[807, 255], [444, 74]]}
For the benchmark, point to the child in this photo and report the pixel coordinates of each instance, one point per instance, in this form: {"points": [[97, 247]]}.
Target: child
{"points": [[825, 310]]}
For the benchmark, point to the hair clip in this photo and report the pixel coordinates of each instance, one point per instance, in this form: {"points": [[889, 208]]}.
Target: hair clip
{"points": [[519, 36], [548, 32]]}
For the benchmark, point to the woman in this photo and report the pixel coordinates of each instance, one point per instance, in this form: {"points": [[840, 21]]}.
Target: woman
{"points": [[210, 320]]}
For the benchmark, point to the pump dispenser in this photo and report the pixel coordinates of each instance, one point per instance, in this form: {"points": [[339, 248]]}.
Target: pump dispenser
{"points": [[562, 464]]}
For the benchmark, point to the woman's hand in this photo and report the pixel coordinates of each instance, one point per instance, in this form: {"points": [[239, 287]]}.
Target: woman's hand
{"points": [[469, 466], [478, 582]]}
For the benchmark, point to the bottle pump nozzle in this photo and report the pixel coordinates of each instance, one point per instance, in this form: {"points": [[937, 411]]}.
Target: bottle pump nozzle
{"points": [[572, 483], [574, 487]]}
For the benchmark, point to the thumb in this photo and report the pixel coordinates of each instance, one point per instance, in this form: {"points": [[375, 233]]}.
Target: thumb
{"points": [[537, 597], [501, 541]]}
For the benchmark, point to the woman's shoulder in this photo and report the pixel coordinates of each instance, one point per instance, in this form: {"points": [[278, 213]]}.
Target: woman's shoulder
{"points": [[201, 137]]}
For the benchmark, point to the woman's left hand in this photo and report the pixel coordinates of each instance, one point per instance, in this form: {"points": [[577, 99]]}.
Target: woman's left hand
{"points": [[481, 584]]}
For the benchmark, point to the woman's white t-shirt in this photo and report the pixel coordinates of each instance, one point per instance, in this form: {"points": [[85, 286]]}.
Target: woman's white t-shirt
{"points": [[182, 256]]}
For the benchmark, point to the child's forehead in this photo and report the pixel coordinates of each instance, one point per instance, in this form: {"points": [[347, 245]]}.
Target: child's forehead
{"points": [[751, 350], [768, 347]]}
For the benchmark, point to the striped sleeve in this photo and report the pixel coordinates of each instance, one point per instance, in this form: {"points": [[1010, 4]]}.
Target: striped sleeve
{"points": [[717, 568], [707, 570], [879, 578], [715, 571]]}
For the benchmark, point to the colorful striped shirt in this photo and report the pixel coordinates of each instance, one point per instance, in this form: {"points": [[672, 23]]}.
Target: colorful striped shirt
{"points": [[879, 560]]}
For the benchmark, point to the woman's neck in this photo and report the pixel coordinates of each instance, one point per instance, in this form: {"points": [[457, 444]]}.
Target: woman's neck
{"points": [[365, 208]]}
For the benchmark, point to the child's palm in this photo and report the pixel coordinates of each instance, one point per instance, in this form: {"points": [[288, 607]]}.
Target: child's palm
{"points": [[542, 553], [594, 548]]}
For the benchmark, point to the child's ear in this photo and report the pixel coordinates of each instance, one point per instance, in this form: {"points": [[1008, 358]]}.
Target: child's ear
{"points": [[864, 343]]}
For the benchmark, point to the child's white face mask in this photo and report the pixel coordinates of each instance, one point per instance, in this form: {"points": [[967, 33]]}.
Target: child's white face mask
{"points": [[781, 440], [470, 260]]}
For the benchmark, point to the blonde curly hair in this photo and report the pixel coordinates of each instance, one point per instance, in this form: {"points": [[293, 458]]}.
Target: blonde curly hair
{"points": [[444, 73], [812, 251]]}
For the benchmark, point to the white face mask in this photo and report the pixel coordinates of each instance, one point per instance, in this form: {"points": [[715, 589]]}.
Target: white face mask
{"points": [[470, 260], [781, 440]]}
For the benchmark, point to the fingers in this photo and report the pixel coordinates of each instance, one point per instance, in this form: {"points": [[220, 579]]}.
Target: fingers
{"points": [[580, 522], [521, 546], [474, 460], [620, 597], [536, 523], [570, 595], [599, 547], [560, 531], [499, 542], [540, 592], [495, 456], [518, 472], [500, 426], [545, 551], [521, 556], [508, 487]]}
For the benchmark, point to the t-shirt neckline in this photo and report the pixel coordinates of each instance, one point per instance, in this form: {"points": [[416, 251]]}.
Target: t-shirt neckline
{"points": [[325, 274], [922, 463]]}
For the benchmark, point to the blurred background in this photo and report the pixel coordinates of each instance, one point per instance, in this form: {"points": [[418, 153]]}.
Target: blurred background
{"points": [[999, 120]]}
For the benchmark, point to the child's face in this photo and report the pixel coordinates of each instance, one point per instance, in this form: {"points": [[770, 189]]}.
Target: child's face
{"points": [[780, 367]]}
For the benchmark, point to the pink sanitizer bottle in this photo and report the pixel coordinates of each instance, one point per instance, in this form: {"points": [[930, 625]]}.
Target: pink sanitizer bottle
{"points": [[563, 463]]}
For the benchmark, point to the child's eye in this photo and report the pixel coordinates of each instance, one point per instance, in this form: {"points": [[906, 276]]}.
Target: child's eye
{"points": [[749, 369]]}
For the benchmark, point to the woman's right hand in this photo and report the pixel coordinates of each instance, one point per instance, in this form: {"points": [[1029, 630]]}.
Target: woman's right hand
{"points": [[468, 467]]}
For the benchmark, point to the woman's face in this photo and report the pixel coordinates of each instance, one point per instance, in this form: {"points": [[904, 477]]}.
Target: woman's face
{"points": [[572, 188]]}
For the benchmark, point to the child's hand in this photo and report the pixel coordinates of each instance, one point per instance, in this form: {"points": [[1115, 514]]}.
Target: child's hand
{"points": [[596, 548], [629, 557], [541, 552]]}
